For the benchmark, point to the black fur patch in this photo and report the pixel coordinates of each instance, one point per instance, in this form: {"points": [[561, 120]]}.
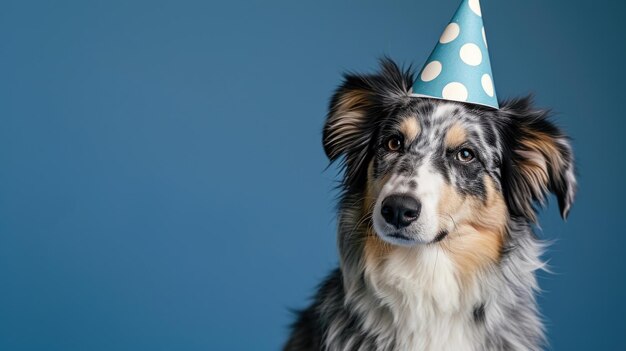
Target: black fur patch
{"points": [[479, 313], [442, 235]]}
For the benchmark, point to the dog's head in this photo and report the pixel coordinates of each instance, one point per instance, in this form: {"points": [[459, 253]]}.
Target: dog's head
{"points": [[427, 168]]}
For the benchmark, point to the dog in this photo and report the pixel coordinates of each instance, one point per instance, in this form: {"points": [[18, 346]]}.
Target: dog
{"points": [[438, 200]]}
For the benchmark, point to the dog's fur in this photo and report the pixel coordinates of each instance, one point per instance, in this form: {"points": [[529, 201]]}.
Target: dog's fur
{"points": [[462, 276]]}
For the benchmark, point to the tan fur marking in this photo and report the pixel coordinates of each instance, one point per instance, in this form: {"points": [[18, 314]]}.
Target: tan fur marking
{"points": [[540, 157], [352, 100], [456, 135], [375, 248], [450, 202], [477, 239], [410, 128], [349, 115]]}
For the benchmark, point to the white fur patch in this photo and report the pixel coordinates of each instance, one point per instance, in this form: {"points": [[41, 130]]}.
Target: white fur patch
{"points": [[428, 192], [430, 308], [429, 184]]}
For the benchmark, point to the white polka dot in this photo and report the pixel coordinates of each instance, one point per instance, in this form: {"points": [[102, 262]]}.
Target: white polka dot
{"points": [[450, 33], [455, 91], [471, 54], [431, 71], [475, 6], [487, 84], [485, 37]]}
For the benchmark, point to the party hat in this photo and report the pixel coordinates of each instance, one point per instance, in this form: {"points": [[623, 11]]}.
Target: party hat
{"points": [[459, 68]]}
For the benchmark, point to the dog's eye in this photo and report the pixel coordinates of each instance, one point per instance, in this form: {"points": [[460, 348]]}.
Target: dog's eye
{"points": [[394, 144], [465, 155]]}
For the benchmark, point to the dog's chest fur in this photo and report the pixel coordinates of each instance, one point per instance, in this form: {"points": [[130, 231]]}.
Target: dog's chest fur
{"points": [[430, 307]]}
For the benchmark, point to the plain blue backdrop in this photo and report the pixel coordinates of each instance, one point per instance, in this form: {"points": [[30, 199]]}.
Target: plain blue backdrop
{"points": [[162, 182]]}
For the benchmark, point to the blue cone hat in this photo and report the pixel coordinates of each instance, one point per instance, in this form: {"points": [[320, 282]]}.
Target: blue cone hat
{"points": [[459, 68]]}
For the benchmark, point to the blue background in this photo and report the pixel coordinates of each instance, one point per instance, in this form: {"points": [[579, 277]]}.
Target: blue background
{"points": [[162, 180]]}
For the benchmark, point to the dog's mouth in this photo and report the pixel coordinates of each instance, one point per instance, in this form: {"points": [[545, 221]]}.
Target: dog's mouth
{"points": [[400, 236], [409, 240]]}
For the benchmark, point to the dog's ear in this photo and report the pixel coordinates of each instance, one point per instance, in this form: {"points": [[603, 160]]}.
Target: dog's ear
{"points": [[538, 159], [356, 110]]}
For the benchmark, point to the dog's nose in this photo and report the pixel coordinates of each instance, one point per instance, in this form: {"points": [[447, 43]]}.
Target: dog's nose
{"points": [[400, 210]]}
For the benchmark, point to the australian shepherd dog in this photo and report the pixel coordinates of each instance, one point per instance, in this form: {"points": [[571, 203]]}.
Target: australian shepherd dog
{"points": [[435, 224]]}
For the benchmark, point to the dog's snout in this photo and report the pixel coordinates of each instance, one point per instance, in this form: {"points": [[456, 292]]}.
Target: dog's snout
{"points": [[400, 210]]}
